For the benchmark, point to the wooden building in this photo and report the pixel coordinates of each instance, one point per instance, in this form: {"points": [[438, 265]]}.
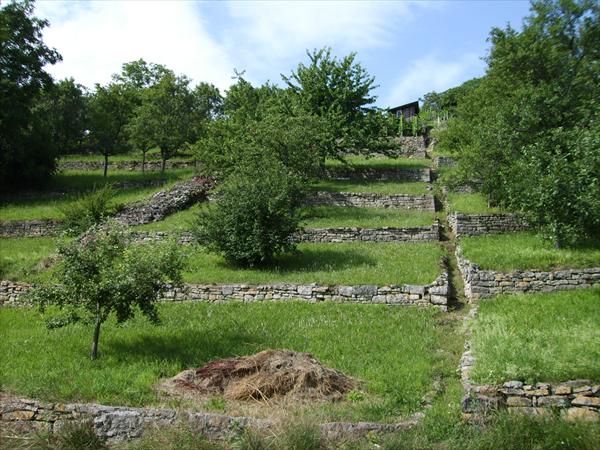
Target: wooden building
{"points": [[407, 111]]}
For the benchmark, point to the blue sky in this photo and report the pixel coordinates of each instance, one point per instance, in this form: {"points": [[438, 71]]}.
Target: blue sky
{"points": [[410, 47]]}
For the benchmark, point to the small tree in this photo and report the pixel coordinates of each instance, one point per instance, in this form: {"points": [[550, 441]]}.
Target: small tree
{"points": [[254, 217], [102, 275]]}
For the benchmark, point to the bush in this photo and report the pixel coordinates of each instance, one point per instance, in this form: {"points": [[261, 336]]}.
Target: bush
{"points": [[255, 214], [87, 210]]}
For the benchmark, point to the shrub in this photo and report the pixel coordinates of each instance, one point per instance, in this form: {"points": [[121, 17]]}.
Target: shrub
{"points": [[89, 209], [255, 214]]}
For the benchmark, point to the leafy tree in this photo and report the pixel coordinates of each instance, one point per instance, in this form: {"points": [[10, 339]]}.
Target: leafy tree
{"points": [[448, 101], [66, 104], [519, 132], [341, 92], [140, 74], [110, 110], [103, 275], [27, 153], [165, 117], [88, 210], [253, 218]]}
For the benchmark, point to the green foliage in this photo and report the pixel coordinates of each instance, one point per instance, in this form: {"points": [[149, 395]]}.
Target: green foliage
{"points": [[446, 103], [514, 339], [253, 218], [88, 210], [27, 151], [529, 133], [78, 436], [101, 274]]}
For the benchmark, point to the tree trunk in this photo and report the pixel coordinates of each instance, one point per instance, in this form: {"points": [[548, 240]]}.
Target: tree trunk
{"points": [[164, 162], [143, 162], [105, 164], [95, 339]]}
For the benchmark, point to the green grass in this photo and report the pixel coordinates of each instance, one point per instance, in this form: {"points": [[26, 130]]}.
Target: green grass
{"points": [[339, 216], [393, 350], [348, 264], [469, 203], [21, 258], [527, 250], [538, 337], [80, 181], [362, 162], [377, 187]]}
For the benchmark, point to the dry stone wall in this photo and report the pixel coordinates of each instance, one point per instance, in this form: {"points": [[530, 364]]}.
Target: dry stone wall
{"points": [[411, 145], [118, 424], [123, 165], [33, 228], [479, 224], [434, 294], [487, 283], [379, 174], [372, 200], [386, 234], [444, 161]]}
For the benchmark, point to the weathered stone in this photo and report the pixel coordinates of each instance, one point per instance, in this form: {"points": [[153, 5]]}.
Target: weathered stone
{"points": [[586, 401], [518, 401], [581, 414], [553, 401], [562, 390], [530, 411], [513, 384], [18, 415]]}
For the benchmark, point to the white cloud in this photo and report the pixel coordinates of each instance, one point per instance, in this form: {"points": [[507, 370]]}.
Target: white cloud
{"points": [[269, 34], [96, 38], [431, 74]]}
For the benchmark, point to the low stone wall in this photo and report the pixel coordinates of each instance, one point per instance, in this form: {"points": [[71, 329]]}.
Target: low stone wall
{"points": [[444, 161], [380, 174], [164, 203], [434, 294], [33, 228], [487, 283], [119, 424], [371, 200], [575, 399], [478, 224], [333, 235], [123, 165], [386, 234], [411, 145]]}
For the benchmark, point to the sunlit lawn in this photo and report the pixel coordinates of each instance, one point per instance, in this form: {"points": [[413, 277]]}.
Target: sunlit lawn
{"points": [[377, 187]]}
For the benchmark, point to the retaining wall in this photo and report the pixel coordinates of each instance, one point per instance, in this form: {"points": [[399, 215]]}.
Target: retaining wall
{"points": [[487, 283], [444, 161], [574, 399], [371, 200], [118, 424], [33, 228], [411, 145], [123, 165], [478, 224], [434, 294], [380, 174], [386, 234]]}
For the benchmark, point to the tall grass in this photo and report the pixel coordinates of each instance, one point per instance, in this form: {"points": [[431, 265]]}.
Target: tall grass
{"points": [[474, 203], [348, 263], [377, 187], [22, 259], [392, 350], [538, 337], [337, 216], [362, 162], [527, 250]]}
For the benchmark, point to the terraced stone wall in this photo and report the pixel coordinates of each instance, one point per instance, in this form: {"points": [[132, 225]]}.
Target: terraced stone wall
{"points": [[487, 283], [371, 200], [380, 174], [123, 165], [479, 224], [33, 228], [387, 234], [434, 294]]}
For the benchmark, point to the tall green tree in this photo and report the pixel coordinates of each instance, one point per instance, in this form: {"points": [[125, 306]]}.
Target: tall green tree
{"points": [[110, 109], [27, 153], [341, 91], [520, 131], [66, 103]]}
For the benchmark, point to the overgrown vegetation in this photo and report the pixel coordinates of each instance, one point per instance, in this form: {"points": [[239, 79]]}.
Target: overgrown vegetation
{"points": [[528, 135], [538, 337], [89, 209], [24, 259]]}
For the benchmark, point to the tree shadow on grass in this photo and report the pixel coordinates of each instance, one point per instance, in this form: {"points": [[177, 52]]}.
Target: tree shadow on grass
{"points": [[188, 348]]}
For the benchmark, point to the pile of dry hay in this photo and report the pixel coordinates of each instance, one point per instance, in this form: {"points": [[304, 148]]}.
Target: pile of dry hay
{"points": [[265, 375]]}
